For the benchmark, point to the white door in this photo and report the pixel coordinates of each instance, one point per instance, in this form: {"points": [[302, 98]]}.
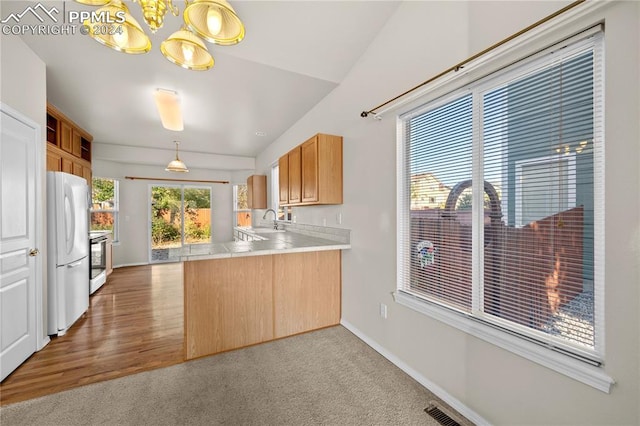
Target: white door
{"points": [[18, 143]]}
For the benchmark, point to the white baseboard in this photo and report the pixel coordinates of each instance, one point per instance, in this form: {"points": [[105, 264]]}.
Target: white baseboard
{"points": [[124, 265], [435, 389]]}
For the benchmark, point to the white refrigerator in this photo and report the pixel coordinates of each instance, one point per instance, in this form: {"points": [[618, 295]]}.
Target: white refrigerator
{"points": [[68, 260]]}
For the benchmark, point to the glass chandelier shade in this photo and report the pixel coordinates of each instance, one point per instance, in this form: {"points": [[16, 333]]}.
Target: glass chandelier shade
{"points": [[214, 21], [185, 49], [129, 37]]}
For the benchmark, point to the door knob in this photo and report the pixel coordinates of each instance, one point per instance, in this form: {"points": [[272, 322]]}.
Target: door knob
{"points": [[34, 252]]}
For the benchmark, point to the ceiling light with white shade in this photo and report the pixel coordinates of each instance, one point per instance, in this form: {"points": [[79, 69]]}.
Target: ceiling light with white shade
{"points": [[177, 165], [168, 104], [212, 20]]}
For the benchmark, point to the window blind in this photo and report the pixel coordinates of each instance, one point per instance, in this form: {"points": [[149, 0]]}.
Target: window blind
{"points": [[440, 152], [526, 145]]}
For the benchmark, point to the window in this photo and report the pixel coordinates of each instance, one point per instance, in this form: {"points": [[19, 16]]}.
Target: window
{"points": [[283, 213], [500, 194], [180, 216], [104, 205], [241, 210]]}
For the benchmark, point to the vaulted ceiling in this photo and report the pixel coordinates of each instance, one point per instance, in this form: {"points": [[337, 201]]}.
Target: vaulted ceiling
{"points": [[293, 55]]}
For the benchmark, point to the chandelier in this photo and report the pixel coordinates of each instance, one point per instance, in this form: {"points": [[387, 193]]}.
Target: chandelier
{"points": [[212, 20]]}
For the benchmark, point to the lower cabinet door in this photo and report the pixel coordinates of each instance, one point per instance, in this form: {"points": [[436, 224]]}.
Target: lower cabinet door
{"points": [[306, 291], [228, 304]]}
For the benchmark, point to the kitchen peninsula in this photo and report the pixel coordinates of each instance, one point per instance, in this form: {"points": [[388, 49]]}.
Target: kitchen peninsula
{"points": [[242, 293]]}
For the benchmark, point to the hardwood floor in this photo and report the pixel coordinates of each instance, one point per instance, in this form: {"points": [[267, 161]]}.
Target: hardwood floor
{"points": [[134, 323]]}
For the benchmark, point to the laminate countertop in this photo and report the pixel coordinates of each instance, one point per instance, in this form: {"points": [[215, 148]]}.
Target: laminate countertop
{"points": [[274, 243]]}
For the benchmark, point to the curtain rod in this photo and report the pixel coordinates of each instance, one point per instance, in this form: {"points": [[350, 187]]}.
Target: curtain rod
{"points": [[460, 65], [177, 180]]}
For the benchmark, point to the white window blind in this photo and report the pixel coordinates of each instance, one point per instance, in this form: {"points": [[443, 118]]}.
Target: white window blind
{"points": [[500, 203]]}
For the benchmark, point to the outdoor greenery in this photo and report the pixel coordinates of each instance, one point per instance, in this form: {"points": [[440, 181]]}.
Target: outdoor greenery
{"points": [[102, 190], [103, 197], [465, 200], [241, 197], [167, 215]]}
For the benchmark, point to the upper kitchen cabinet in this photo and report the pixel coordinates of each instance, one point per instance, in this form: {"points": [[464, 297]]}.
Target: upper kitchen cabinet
{"points": [[68, 145], [283, 179], [295, 179], [314, 172], [257, 192]]}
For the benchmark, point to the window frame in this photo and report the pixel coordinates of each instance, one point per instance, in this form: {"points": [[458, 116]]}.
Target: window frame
{"points": [[236, 210], [583, 366], [115, 211], [283, 213]]}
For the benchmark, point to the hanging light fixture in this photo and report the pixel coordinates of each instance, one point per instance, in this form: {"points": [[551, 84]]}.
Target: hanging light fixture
{"points": [[177, 165], [213, 20], [154, 11], [185, 49], [130, 37]]}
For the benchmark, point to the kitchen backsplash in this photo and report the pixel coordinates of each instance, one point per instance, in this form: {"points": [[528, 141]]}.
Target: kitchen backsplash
{"points": [[340, 235]]}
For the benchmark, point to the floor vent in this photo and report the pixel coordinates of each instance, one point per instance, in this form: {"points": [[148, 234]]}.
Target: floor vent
{"points": [[440, 416]]}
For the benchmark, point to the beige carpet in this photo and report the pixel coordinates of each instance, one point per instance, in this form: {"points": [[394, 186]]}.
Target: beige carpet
{"points": [[327, 377]]}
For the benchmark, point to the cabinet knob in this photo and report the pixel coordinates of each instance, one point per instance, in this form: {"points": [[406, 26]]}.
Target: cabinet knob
{"points": [[34, 252]]}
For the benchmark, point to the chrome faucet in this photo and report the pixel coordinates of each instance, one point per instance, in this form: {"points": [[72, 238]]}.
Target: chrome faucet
{"points": [[275, 217]]}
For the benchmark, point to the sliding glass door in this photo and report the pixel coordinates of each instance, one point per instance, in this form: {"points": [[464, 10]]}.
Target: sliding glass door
{"points": [[180, 216]]}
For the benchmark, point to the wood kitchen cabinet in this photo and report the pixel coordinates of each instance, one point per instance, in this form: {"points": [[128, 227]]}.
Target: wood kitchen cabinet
{"points": [[67, 165], [314, 172], [66, 139], [257, 191], [227, 304], [231, 303], [309, 156], [54, 161], [306, 291], [68, 145], [295, 179], [76, 143], [283, 179]]}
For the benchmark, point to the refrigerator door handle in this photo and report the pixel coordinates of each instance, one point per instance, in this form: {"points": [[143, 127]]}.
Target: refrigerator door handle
{"points": [[70, 218], [74, 264]]}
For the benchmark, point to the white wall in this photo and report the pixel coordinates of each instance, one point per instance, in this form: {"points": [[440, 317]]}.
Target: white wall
{"points": [[420, 40], [134, 205], [24, 88]]}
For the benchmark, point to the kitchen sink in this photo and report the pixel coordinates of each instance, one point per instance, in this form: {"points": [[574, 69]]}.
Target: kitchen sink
{"points": [[266, 230]]}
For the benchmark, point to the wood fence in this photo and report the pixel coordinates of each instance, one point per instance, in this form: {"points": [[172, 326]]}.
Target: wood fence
{"points": [[529, 272], [201, 216]]}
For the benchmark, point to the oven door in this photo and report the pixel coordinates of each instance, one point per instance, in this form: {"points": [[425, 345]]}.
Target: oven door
{"points": [[98, 271]]}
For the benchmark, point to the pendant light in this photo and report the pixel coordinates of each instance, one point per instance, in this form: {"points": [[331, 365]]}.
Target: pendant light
{"points": [[177, 165]]}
